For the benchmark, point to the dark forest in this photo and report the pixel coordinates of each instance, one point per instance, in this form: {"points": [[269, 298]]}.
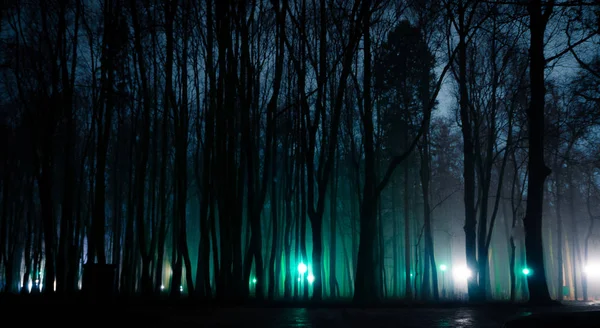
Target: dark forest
{"points": [[301, 150]]}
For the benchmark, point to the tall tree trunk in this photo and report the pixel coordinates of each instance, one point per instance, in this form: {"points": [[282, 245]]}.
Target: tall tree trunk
{"points": [[181, 116], [332, 234], [366, 283], [559, 233], [588, 236], [408, 292], [538, 171], [275, 231], [287, 293], [574, 234], [29, 242], [468, 156], [104, 120], [395, 254], [142, 159], [66, 223], [427, 230]]}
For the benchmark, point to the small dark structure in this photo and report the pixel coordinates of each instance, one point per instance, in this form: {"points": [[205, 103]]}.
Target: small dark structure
{"points": [[99, 281]]}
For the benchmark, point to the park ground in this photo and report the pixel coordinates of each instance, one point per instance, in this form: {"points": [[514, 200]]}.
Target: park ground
{"points": [[44, 313]]}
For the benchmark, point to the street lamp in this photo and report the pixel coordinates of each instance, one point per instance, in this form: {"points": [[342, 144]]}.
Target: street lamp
{"points": [[310, 278], [302, 268], [462, 273], [526, 271], [592, 270]]}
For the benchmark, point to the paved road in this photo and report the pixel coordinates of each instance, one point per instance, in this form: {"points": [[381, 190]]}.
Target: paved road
{"points": [[484, 316]]}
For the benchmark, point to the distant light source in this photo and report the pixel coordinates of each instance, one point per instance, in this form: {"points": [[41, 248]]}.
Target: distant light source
{"points": [[526, 271], [302, 268], [162, 287], [462, 273], [443, 267], [310, 278], [592, 270], [180, 288], [298, 279], [254, 280]]}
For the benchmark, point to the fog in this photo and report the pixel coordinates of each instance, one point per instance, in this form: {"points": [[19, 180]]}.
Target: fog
{"points": [[301, 150]]}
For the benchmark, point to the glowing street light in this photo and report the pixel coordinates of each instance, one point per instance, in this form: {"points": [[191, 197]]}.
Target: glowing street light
{"points": [[310, 278], [162, 287], [302, 268], [254, 280], [526, 271], [180, 288], [592, 270], [443, 267], [462, 273]]}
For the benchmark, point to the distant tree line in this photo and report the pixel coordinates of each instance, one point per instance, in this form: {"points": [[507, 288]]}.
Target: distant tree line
{"points": [[211, 148]]}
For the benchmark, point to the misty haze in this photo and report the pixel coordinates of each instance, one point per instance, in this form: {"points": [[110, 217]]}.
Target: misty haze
{"points": [[439, 158]]}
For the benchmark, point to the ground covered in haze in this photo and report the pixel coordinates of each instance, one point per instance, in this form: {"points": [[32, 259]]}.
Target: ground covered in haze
{"points": [[78, 314]]}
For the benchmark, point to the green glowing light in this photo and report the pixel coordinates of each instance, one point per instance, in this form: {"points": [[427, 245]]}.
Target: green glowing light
{"points": [[443, 267], [310, 278], [526, 271], [254, 280]]}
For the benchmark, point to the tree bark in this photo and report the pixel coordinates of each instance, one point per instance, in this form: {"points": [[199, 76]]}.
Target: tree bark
{"points": [[538, 171]]}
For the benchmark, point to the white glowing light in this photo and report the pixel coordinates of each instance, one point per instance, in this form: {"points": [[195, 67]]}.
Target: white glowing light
{"points": [[162, 287], [180, 288], [443, 267], [37, 281], [592, 270], [302, 268], [310, 278], [462, 273], [298, 279], [254, 280]]}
